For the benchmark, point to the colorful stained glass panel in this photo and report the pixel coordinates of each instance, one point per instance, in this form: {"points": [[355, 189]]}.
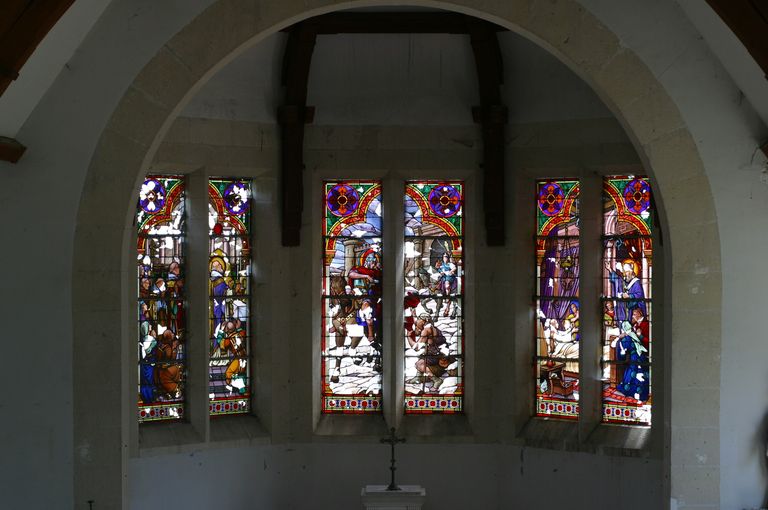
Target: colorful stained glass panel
{"points": [[557, 333], [351, 299], [434, 285], [626, 302], [161, 298], [229, 313]]}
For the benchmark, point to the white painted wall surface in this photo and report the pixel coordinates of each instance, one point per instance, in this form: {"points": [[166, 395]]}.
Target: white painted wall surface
{"points": [[394, 79], [61, 133]]}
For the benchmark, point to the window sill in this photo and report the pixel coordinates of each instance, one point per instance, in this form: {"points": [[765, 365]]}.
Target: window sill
{"points": [[243, 430], [621, 440], [170, 438], [605, 439], [364, 426]]}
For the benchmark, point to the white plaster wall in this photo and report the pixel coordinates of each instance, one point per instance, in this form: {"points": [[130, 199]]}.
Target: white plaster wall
{"points": [[327, 476], [35, 302], [396, 79]]}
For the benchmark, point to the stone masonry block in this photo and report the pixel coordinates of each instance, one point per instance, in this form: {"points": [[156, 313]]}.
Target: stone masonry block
{"points": [[210, 132], [696, 291], [674, 157], [694, 407], [651, 116], [165, 78], [695, 484], [624, 78], [139, 116], [213, 35]]}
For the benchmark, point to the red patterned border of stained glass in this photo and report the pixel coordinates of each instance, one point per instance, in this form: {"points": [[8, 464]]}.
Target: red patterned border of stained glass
{"points": [[432, 404], [222, 407], [546, 406], [158, 412], [352, 405], [626, 414]]}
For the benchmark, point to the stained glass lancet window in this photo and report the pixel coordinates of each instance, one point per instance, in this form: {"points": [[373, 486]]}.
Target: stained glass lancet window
{"points": [[434, 286], [557, 301], [626, 302], [161, 306], [351, 299], [229, 271]]}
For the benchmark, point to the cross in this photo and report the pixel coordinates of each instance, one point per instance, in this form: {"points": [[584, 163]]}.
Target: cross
{"points": [[393, 440]]}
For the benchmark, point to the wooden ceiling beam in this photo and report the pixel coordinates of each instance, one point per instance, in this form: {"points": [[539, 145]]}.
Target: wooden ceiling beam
{"points": [[748, 19], [492, 116], [10, 150], [291, 117], [24, 24]]}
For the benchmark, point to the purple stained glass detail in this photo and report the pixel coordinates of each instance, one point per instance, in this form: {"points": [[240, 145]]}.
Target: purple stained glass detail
{"points": [[445, 200], [551, 198], [342, 200], [152, 196], [637, 196], [237, 198]]}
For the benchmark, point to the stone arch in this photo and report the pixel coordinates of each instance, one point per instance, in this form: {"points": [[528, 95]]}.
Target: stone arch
{"points": [[228, 27]]}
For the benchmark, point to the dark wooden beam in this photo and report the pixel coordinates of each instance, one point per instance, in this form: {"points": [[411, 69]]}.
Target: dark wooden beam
{"points": [[748, 19], [23, 24], [10, 149], [492, 116], [764, 148], [292, 116]]}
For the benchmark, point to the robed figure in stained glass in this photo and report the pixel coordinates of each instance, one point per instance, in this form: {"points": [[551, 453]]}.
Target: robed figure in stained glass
{"points": [[558, 336], [627, 276], [160, 261], [432, 311], [352, 297]]}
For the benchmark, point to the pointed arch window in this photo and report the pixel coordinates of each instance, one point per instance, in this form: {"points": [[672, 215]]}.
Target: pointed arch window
{"points": [[626, 290], [352, 307], [557, 301], [229, 312], [161, 224], [434, 296]]}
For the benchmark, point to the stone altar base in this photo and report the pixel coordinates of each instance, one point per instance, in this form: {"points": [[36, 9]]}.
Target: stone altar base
{"points": [[409, 497]]}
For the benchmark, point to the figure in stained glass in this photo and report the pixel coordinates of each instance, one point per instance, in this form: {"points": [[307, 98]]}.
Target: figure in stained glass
{"points": [[432, 311], [558, 337], [352, 297], [627, 276], [161, 328], [229, 270]]}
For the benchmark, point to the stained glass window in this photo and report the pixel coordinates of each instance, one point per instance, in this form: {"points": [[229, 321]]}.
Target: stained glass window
{"points": [[229, 318], [626, 302], [434, 287], [161, 306], [557, 300], [351, 299]]}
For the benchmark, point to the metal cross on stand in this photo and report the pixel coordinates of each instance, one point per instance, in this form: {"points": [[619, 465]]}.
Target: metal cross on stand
{"points": [[393, 440]]}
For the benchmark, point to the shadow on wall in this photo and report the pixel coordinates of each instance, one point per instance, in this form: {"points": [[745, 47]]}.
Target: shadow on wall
{"points": [[761, 448]]}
